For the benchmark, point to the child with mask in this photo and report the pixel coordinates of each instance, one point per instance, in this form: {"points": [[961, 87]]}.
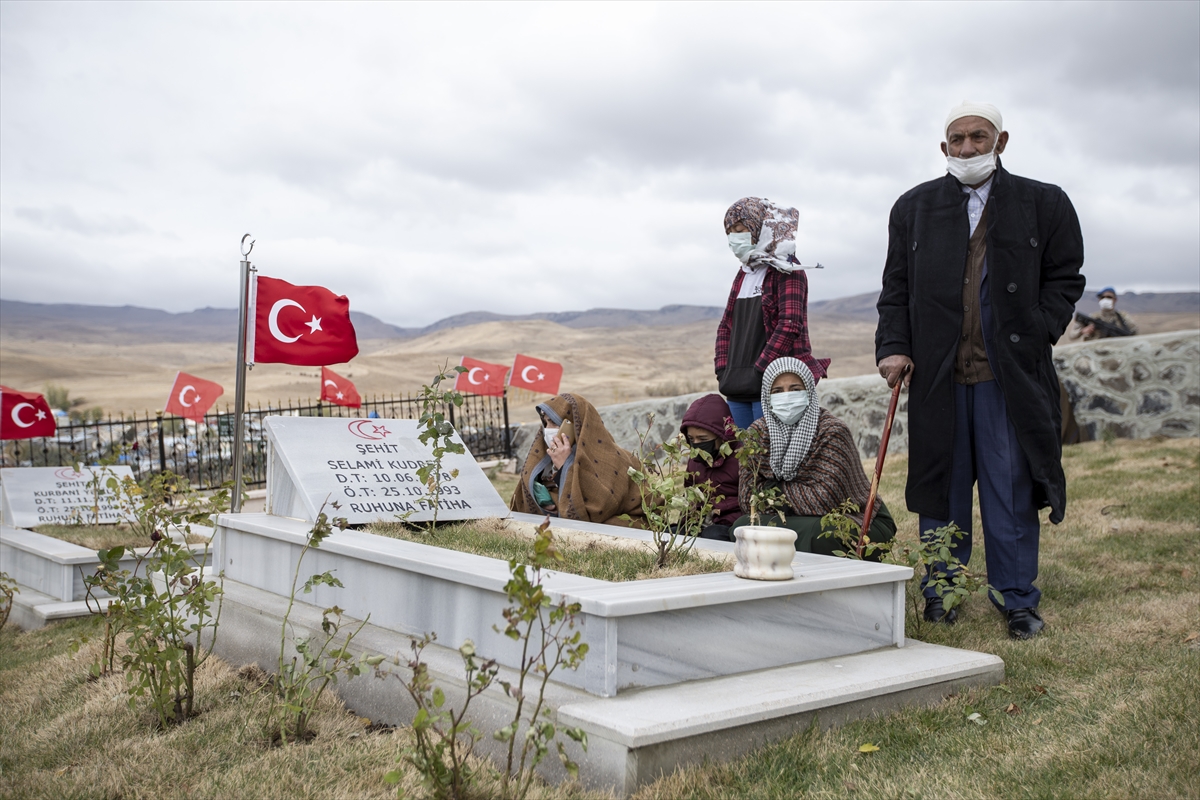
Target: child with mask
{"points": [[812, 458], [766, 316], [707, 424]]}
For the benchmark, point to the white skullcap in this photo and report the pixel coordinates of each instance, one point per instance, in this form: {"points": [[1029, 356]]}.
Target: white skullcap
{"points": [[969, 109]]}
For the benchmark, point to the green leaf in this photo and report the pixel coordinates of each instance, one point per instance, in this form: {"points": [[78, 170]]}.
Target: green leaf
{"points": [[439, 697]]}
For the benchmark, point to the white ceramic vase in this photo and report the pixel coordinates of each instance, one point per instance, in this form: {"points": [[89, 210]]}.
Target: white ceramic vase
{"points": [[764, 553]]}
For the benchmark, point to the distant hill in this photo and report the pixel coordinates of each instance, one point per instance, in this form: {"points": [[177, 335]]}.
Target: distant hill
{"points": [[84, 323]]}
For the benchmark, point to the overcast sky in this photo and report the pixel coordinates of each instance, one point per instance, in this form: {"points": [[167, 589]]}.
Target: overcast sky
{"points": [[432, 159]]}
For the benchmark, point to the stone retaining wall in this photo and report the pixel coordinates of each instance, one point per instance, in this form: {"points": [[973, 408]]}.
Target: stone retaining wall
{"points": [[1134, 388]]}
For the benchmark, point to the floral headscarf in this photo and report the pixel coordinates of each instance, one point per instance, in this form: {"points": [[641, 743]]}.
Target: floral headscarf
{"points": [[773, 230]]}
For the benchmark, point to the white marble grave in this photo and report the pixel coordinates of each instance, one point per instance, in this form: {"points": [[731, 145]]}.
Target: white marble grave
{"points": [[369, 468], [35, 496], [678, 669]]}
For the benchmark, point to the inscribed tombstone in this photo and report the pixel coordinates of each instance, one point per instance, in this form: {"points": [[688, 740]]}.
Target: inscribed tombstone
{"points": [[369, 467], [59, 495]]}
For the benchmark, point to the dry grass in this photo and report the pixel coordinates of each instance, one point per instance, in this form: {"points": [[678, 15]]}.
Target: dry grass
{"points": [[1104, 704], [102, 537], [62, 736]]}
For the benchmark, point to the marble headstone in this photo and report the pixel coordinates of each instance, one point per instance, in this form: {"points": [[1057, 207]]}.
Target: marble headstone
{"points": [[369, 468], [58, 495]]}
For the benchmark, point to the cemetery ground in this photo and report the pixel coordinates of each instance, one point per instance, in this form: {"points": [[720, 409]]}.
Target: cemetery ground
{"points": [[1104, 704]]}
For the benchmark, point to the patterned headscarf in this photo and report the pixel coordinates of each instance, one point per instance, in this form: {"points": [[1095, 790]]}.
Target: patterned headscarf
{"points": [[790, 443], [773, 230]]}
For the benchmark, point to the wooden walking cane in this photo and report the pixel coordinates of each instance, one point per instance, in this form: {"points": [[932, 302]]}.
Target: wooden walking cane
{"points": [[869, 513]]}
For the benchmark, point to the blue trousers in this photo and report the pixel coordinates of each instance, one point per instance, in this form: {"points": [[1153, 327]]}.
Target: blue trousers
{"points": [[986, 451], [744, 413]]}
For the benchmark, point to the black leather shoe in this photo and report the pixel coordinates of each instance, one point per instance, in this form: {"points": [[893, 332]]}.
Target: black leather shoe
{"points": [[1024, 623], [936, 612]]}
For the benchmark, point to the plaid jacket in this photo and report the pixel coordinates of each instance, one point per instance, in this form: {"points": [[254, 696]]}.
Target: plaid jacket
{"points": [[785, 317]]}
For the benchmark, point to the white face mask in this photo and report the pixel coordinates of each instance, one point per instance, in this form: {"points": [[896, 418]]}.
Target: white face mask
{"points": [[548, 434], [741, 245], [976, 169], [789, 406], [1107, 303]]}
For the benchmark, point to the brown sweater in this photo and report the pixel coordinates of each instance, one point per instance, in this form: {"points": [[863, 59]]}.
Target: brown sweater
{"points": [[831, 473]]}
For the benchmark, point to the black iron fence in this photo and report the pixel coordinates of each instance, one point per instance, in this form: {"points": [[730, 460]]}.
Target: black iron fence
{"points": [[204, 452]]}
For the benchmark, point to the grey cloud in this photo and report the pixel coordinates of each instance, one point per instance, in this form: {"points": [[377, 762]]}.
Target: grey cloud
{"points": [[65, 218], [516, 149]]}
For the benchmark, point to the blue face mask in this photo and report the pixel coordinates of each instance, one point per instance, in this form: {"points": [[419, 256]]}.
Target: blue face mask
{"points": [[789, 406], [741, 245]]}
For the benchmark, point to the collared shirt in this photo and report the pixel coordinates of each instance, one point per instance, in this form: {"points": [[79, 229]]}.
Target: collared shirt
{"points": [[976, 200]]}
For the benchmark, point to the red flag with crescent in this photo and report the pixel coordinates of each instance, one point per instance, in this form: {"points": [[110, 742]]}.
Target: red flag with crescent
{"points": [[535, 374], [481, 378], [308, 326], [336, 389], [192, 397], [24, 415]]}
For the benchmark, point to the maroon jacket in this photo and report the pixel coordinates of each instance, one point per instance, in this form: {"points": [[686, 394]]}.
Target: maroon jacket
{"points": [[711, 413]]}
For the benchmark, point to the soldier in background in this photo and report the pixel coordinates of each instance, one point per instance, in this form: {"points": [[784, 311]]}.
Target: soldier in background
{"points": [[1121, 325]]}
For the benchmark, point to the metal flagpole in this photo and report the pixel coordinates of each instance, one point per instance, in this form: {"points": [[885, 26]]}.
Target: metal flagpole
{"points": [[239, 400]]}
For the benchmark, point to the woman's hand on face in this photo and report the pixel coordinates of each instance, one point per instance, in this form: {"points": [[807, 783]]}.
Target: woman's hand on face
{"points": [[559, 450]]}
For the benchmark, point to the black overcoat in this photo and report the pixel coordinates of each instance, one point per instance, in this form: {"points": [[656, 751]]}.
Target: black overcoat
{"points": [[1033, 279]]}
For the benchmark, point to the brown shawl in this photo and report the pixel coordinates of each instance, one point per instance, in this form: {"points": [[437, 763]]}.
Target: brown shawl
{"points": [[831, 473], [594, 484]]}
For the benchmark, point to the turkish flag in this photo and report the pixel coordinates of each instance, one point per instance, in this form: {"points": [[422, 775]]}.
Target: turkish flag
{"points": [[308, 326], [24, 415], [336, 389], [481, 378], [535, 375], [192, 397]]}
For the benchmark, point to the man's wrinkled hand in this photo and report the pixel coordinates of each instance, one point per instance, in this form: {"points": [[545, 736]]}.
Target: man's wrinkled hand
{"points": [[894, 367]]}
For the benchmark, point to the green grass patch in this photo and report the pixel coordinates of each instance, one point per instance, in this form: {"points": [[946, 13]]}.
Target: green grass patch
{"points": [[588, 555]]}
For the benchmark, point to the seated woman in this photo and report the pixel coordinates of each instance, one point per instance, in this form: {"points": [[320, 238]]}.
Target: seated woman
{"points": [[811, 457], [577, 473], [706, 424]]}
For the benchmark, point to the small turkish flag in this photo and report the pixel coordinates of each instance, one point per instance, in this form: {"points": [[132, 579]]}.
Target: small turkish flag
{"points": [[192, 397], [336, 389], [24, 415], [307, 326], [535, 375], [481, 378]]}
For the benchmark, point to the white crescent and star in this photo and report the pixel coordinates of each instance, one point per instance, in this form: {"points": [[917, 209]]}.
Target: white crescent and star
{"points": [[340, 396], [525, 374], [471, 376], [313, 324], [16, 415], [183, 400]]}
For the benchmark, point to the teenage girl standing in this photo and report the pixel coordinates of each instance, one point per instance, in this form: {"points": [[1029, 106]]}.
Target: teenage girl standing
{"points": [[767, 313]]}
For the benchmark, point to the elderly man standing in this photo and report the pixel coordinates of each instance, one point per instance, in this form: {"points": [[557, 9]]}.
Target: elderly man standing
{"points": [[982, 276]]}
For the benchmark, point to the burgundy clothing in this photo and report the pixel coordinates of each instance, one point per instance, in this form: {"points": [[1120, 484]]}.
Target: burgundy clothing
{"points": [[785, 319], [712, 414]]}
